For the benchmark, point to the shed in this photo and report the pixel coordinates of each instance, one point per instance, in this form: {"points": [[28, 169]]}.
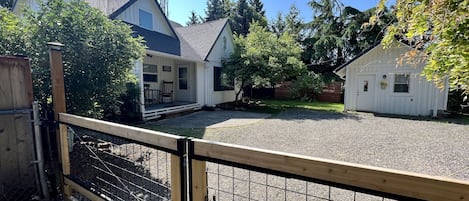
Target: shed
{"points": [[375, 82]]}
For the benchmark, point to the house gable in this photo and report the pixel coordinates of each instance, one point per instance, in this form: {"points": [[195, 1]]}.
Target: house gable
{"points": [[223, 45], [130, 13]]}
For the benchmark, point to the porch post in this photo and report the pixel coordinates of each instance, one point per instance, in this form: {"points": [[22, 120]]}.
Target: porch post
{"points": [[139, 73]]}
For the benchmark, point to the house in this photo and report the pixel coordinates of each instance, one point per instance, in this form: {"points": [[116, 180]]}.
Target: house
{"points": [[182, 67], [374, 82]]}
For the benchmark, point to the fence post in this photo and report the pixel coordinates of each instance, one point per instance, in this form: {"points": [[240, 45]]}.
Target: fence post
{"points": [[58, 99], [198, 180], [197, 175]]}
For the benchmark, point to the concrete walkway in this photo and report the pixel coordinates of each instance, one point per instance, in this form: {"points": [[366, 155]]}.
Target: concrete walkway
{"points": [[214, 119]]}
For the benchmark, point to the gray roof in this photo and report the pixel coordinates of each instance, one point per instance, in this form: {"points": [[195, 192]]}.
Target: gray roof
{"points": [[201, 37], [196, 41]]}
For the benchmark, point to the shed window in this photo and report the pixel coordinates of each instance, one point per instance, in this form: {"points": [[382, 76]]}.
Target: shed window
{"points": [[145, 19], [401, 83], [221, 81], [150, 73]]}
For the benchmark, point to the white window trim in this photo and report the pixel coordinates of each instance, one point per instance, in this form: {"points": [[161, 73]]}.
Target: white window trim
{"points": [[402, 94]]}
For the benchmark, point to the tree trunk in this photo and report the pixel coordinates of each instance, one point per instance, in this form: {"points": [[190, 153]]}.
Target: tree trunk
{"points": [[239, 92]]}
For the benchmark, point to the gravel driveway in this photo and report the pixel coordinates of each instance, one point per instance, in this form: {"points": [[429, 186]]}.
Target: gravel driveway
{"points": [[419, 146], [427, 147]]}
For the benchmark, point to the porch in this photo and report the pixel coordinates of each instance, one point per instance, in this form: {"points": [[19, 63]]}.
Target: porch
{"points": [[168, 85]]}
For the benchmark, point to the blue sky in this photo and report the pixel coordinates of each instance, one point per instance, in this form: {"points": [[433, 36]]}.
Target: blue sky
{"points": [[179, 10]]}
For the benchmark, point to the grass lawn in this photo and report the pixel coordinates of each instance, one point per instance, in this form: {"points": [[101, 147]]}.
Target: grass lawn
{"points": [[275, 106]]}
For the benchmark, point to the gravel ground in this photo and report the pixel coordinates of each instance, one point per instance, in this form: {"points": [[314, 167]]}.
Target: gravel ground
{"points": [[427, 147]]}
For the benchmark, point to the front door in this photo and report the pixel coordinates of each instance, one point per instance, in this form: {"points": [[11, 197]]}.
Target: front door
{"points": [[365, 92], [183, 84]]}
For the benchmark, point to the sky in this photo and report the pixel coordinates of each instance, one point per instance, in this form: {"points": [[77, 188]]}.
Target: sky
{"points": [[179, 10]]}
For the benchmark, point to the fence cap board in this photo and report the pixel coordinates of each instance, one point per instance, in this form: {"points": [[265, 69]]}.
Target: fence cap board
{"points": [[142, 135], [398, 182]]}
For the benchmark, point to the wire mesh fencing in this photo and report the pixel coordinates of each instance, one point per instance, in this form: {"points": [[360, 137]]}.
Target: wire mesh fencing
{"points": [[118, 169], [225, 182], [18, 190]]}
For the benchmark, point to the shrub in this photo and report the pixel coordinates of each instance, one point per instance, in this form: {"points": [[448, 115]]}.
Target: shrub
{"points": [[307, 86]]}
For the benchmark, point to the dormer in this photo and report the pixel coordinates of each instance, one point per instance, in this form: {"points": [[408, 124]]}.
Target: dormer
{"points": [[146, 14]]}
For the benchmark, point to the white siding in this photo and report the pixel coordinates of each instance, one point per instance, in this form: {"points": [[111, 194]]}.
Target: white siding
{"points": [[160, 62], [160, 24], [422, 95], [215, 57]]}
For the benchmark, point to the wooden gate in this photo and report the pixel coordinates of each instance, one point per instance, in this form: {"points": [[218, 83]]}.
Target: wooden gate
{"points": [[17, 171]]}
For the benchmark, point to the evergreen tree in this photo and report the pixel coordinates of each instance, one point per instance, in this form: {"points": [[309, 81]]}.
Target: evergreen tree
{"points": [[245, 14], [278, 26], [194, 19], [229, 8], [6, 4], [258, 7], [325, 46], [294, 22], [215, 10]]}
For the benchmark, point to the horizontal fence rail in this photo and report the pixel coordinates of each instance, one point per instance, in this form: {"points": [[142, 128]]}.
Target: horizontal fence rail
{"points": [[384, 182], [154, 138], [109, 161]]}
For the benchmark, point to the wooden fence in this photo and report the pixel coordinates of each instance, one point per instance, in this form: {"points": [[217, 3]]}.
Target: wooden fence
{"points": [[17, 173], [361, 178]]}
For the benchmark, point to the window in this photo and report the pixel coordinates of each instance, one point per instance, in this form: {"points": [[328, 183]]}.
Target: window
{"points": [[401, 83], [145, 19], [150, 73], [224, 42], [221, 81], [182, 77]]}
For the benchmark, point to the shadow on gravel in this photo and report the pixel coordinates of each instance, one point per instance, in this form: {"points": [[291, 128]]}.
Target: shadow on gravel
{"points": [[461, 119], [315, 115]]}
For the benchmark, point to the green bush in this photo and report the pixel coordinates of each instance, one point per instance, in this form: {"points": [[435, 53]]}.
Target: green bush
{"points": [[307, 87]]}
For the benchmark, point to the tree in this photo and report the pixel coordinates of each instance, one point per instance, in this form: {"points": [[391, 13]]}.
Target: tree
{"points": [[337, 34], [437, 32], [229, 8], [258, 7], [325, 46], [6, 3], [194, 19], [294, 23], [245, 13], [11, 34], [215, 10], [261, 55], [278, 26], [98, 55]]}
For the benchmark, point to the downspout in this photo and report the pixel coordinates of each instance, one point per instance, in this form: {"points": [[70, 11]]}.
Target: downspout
{"points": [[435, 102]]}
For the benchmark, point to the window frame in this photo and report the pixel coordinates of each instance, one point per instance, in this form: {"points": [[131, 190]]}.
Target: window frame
{"points": [[150, 73], [146, 15], [406, 75], [218, 83]]}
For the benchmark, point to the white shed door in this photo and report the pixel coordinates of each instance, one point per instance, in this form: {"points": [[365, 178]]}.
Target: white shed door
{"points": [[366, 92]]}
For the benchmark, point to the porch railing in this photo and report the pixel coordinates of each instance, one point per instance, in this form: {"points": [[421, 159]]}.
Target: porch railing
{"points": [[152, 96]]}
